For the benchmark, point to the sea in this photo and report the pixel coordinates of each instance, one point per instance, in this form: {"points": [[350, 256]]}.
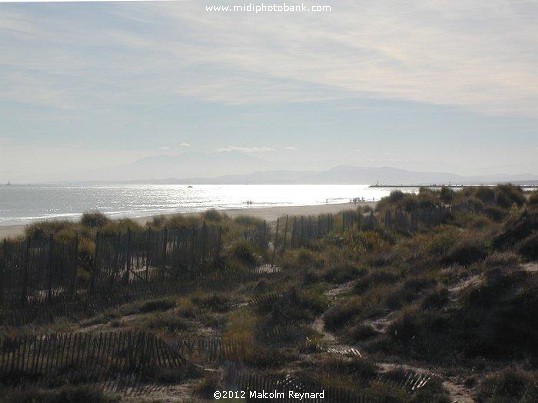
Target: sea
{"points": [[24, 204]]}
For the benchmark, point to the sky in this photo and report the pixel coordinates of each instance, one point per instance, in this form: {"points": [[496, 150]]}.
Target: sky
{"points": [[426, 85]]}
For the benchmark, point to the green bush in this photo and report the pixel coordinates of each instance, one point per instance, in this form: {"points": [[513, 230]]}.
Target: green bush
{"points": [[528, 247], [163, 304], [245, 252], [248, 221], [485, 194], [66, 394], [509, 385], [341, 314], [213, 216], [465, 252], [533, 199], [376, 278], [507, 195], [447, 195], [342, 273], [94, 219]]}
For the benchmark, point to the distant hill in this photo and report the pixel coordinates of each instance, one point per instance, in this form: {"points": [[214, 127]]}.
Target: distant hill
{"points": [[187, 165], [240, 168], [347, 174]]}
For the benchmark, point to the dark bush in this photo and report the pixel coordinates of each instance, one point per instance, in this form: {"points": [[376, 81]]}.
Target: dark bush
{"points": [[340, 315], [533, 199], [447, 195], [376, 278], [485, 194], [362, 332], [511, 385], [245, 253], [248, 220], [465, 252], [94, 219], [214, 302], [163, 304], [66, 394], [507, 195], [213, 215], [516, 230], [436, 299], [341, 274], [497, 214], [529, 247]]}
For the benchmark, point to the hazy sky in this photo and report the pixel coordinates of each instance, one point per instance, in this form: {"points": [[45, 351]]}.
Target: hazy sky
{"points": [[425, 85]]}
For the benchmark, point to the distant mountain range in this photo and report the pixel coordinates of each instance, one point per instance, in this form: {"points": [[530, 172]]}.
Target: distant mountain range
{"points": [[240, 168], [346, 174]]}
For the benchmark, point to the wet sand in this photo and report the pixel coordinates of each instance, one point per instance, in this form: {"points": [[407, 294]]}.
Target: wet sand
{"points": [[265, 213]]}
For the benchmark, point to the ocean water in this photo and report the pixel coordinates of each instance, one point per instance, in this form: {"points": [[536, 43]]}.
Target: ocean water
{"points": [[22, 204]]}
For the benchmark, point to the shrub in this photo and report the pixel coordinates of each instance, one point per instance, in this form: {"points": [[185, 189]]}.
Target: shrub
{"points": [[510, 384], [529, 247], [163, 304], [438, 298], [465, 252], [293, 305], [362, 332], [94, 219], [248, 221], [502, 260], [66, 394], [168, 321], [342, 273], [211, 382], [517, 229], [245, 252], [341, 314], [485, 194], [533, 199], [214, 302], [213, 216], [447, 195], [376, 278], [44, 229], [497, 214], [507, 195]]}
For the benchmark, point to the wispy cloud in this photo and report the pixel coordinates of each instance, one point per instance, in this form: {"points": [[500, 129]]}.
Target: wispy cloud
{"points": [[184, 145], [468, 54], [245, 149], [291, 148]]}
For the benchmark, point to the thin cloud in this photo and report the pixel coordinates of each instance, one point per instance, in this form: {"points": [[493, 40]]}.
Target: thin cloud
{"points": [[466, 54], [291, 148], [245, 149], [184, 145]]}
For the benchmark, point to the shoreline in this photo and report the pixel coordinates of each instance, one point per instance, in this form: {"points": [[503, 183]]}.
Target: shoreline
{"points": [[265, 213]]}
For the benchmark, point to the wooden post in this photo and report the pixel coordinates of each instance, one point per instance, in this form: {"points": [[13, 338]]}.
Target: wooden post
{"points": [[193, 247], [3, 271], [72, 282], [128, 255], [276, 242], [148, 245], [165, 247], [95, 264], [204, 236], [285, 235], [25, 272], [219, 244]]}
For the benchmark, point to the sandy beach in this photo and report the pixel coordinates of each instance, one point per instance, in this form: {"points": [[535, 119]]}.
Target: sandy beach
{"points": [[266, 213]]}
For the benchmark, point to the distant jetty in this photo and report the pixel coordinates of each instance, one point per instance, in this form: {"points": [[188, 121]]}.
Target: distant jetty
{"points": [[377, 185], [437, 186]]}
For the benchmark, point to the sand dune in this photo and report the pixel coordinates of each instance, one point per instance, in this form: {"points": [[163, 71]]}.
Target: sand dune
{"points": [[266, 213]]}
